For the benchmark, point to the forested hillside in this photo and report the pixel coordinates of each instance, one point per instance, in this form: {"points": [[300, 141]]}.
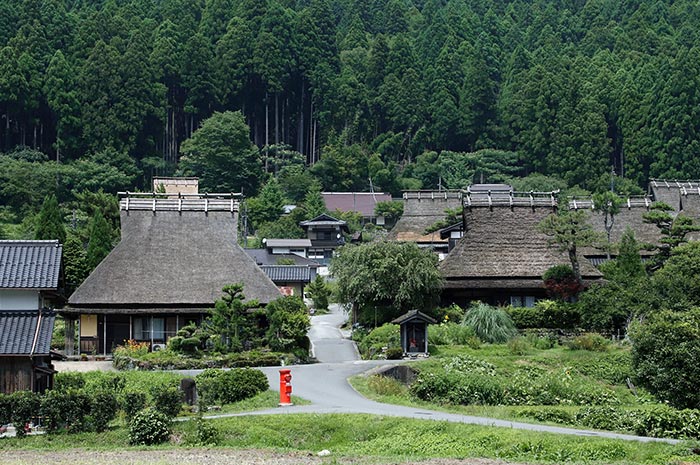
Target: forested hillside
{"points": [[409, 93]]}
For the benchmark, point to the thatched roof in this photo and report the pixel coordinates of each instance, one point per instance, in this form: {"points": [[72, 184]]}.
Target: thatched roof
{"points": [[669, 191], [421, 210], [631, 215], [502, 248], [178, 259]]}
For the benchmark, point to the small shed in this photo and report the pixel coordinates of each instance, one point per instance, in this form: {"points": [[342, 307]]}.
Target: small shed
{"points": [[414, 332]]}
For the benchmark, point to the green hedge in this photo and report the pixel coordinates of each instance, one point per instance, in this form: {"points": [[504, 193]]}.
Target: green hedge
{"points": [[228, 386]]}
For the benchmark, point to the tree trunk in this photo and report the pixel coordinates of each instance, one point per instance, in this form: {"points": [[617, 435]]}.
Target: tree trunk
{"points": [[573, 257], [300, 132]]}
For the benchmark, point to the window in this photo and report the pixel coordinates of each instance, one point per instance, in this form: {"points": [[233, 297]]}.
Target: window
{"points": [[523, 300], [147, 328]]}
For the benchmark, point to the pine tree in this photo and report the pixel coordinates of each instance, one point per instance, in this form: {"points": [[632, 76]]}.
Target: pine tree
{"points": [[314, 205], [75, 260], [49, 223], [100, 243]]}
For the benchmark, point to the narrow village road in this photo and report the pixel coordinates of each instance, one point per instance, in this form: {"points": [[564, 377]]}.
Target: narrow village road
{"points": [[328, 343]]}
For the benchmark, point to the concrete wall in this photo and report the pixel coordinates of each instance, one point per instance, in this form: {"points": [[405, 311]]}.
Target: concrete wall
{"points": [[12, 299]]}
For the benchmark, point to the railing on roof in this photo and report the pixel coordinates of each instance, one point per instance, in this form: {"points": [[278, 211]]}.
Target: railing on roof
{"points": [[636, 201], [432, 195], [155, 201], [676, 183], [502, 198]]}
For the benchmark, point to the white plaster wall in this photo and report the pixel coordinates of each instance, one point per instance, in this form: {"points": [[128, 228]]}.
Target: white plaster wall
{"points": [[12, 299]]}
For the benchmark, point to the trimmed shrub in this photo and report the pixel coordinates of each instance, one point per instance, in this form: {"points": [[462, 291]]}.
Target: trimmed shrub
{"points": [[375, 341], [232, 385], [491, 324], [24, 407], [69, 380], [65, 409], [167, 400], [103, 409], [133, 402], [550, 314], [148, 427], [394, 353]]}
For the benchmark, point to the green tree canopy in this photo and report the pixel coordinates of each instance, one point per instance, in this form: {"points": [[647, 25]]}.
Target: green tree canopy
{"points": [[49, 224], [100, 242], [382, 280], [221, 154]]}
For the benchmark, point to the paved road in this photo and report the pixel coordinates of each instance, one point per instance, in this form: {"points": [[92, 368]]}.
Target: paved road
{"points": [[328, 343]]}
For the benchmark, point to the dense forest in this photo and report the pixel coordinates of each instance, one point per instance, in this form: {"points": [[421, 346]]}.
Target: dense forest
{"points": [[349, 94]]}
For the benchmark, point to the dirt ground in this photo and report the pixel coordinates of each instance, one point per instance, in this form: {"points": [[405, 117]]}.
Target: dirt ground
{"points": [[207, 457]]}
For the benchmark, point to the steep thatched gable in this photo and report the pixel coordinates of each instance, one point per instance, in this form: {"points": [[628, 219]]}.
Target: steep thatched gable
{"points": [[502, 247], [171, 258], [421, 210]]}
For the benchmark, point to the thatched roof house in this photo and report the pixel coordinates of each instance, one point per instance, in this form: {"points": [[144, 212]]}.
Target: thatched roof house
{"points": [[502, 256], [671, 191], [175, 256], [421, 211], [631, 215]]}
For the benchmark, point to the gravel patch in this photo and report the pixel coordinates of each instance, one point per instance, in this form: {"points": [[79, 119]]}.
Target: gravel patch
{"points": [[209, 457]]}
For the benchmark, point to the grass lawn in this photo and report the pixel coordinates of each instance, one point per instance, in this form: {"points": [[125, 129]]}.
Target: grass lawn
{"points": [[381, 438]]}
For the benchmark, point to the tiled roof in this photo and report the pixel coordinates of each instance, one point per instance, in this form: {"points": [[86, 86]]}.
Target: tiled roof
{"points": [[264, 257], [288, 273], [30, 264], [19, 335], [288, 243], [361, 202]]}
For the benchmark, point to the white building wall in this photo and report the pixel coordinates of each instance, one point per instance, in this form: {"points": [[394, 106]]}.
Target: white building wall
{"points": [[12, 299]]}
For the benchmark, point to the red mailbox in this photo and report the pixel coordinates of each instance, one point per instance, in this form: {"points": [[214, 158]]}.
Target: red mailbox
{"points": [[285, 387]]}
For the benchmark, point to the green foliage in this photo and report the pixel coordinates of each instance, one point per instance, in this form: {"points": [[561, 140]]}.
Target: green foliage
{"points": [[289, 322], [677, 283], [385, 385], [319, 292], [100, 242], [665, 346], [132, 402], [66, 409], [49, 224], [452, 334], [103, 409], [379, 339], [452, 216], [551, 314], [561, 283], [203, 433], [24, 406], [568, 230], [388, 277], [590, 341], [392, 210], [673, 229], [149, 427], [228, 386], [166, 399], [314, 205], [75, 262], [229, 318], [221, 154], [268, 206], [491, 324]]}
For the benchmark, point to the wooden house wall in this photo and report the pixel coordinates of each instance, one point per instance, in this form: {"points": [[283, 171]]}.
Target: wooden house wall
{"points": [[15, 374]]}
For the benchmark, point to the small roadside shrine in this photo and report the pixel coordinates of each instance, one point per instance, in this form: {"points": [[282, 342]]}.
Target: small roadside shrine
{"points": [[414, 332]]}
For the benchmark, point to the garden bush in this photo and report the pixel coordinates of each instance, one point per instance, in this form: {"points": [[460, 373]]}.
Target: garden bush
{"points": [[65, 409], [132, 402], [385, 336], [69, 380], [450, 333], [104, 406], [167, 399], [550, 314], [148, 427], [590, 341], [228, 386], [491, 324], [5, 409], [519, 346], [24, 407], [666, 422]]}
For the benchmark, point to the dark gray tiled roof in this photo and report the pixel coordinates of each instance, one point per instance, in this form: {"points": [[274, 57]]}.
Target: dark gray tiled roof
{"points": [[30, 264], [18, 332], [288, 273], [264, 257]]}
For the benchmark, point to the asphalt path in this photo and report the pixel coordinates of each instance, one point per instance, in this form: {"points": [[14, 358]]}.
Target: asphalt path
{"points": [[326, 386]]}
